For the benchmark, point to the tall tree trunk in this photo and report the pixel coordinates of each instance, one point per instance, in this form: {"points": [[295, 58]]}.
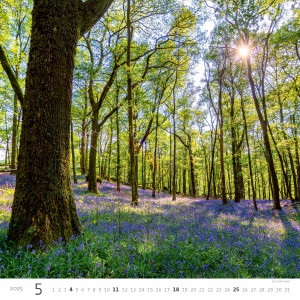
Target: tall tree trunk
{"points": [[144, 183], [7, 141], [268, 151], [154, 159], [132, 145], [206, 171], [83, 136], [249, 155], [73, 154], [288, 150], [87, 152], [14, 135], [43, 207], [170, 165], [223, 184], [92, 187], [212, 166], [237, 171], [174, 189], [118, 147], [192, 169], [297, 158], [184, 172], [110, 150], [214, 182], [284, 172]]}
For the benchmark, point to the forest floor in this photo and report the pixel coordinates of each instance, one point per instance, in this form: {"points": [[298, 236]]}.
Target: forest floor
{"points": [[187, 238]]}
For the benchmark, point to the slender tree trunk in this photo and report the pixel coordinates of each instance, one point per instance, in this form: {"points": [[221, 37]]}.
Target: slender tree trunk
{"points": [[223, 184], [206, 178], [110, 150], [118, 147], [133, 161], [14, 135], [73, 154], [14, 145], [170, 165], [249, 155], [268, 151], [144, 184], [83, 136], [237, 171], [92, 187], [159, 172], [154, 159], [99, 158], [184, 172], [289, 151], [284, 171], [297, 158], [174, 148], [143, 167], [212, 167], [87, 153], [214, 182], [192, 169], [263, 186], [7, 141]]}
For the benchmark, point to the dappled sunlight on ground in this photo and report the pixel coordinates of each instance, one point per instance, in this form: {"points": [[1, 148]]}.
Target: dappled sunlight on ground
{"points": [[207, 238]]}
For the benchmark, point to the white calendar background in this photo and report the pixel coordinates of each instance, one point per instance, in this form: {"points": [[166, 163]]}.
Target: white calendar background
{"points": [[153, 289]]}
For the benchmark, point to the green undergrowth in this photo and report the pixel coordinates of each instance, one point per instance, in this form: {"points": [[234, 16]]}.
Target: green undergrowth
{"points": [[114, 255]]}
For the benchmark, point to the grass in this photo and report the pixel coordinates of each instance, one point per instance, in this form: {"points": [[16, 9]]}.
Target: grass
{"points": [[189, 238]]}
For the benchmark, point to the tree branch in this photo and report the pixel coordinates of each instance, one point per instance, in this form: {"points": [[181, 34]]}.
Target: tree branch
{"points": [[91, 12], [11, 76], [109, 115]]}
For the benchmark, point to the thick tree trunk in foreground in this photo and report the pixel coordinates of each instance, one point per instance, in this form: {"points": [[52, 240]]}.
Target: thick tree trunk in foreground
{"points": [[44, 208]]}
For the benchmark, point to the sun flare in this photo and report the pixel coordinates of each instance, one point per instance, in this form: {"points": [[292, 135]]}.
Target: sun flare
{"points": [[243, 51]]}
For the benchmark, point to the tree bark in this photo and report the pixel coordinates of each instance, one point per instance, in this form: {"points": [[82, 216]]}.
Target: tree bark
{"points": [[235, 150], [43, 208], [268, 151], [192, 169], [132, 142], [14, 135], [249, 155], [92, 187], [83, 137], [73, 154], [223, 184], [110, 150], [154, 159], [184, 173], [118, 147]]}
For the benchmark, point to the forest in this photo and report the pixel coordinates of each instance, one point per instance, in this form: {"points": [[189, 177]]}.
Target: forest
{"points": [[149, 139]]}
